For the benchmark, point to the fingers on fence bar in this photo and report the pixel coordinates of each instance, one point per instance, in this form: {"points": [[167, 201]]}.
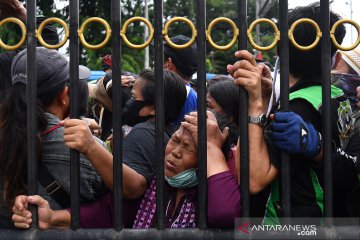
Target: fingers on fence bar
{"points": [[211, 26], [137, 46], [333, 39], [166, 30], [276, 38], [23, 33], [318, 34], [41, 28], [82, 29]]}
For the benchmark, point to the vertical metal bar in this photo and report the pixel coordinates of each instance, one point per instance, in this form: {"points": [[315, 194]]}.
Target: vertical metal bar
{"points": [[284, 100], [31, 92], [326, 108], [117, 113], [146, 35], [243, 120], [201, 76], [74, 112], [159, 118]]}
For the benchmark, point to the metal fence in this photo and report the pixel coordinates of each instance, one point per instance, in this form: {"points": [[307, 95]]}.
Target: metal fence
{"points": [[200, 35]]}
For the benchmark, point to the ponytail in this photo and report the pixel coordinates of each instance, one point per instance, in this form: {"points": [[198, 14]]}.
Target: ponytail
{"points": [[13, 142]]}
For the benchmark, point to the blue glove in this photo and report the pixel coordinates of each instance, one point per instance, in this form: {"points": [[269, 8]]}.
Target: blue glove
{"points": [[293, 135]]}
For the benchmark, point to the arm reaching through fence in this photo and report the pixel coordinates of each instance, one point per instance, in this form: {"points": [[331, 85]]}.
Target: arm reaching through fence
{"points": [[78, 136], [248, 74], [47, 217]]}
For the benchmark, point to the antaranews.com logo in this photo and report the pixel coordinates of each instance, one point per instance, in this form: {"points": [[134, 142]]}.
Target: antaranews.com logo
{"points": [[294, 228], [290, 229]]}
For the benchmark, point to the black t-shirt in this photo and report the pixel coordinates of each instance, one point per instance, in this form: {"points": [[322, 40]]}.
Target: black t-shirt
{"points": [[306, 175], [346, 175], [139, 149]]}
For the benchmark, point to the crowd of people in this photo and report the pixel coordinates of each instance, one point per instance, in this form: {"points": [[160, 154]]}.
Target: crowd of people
{"points": [[297, 132]]}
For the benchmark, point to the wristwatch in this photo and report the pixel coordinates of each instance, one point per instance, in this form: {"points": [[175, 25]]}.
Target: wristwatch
{"points": [[260, 120]]}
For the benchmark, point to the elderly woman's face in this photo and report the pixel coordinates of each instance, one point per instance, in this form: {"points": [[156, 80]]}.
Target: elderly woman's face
{"points": [[180, 153]]}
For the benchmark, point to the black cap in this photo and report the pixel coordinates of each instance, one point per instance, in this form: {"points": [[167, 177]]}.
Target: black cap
{"points": [[185, 59], [52, 70], [49, 32]]}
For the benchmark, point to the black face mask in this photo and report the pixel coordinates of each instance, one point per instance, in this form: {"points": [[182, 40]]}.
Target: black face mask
{"points": [[131, 112]]}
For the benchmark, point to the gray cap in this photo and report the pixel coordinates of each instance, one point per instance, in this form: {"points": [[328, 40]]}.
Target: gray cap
{"points": [[52, 70], [84, 72]]}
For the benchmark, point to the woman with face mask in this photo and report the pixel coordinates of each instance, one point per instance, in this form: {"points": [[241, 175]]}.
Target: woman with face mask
{"points": [[181, 163], [138, 146], [222, 97], [53, 155]]}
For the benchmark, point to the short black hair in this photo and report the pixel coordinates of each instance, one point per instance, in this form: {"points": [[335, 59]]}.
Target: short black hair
{"points": [[184, 59], [83, 90], [174, 92], [305, 64]]}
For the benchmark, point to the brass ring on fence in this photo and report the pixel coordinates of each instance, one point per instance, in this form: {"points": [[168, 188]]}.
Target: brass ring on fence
{"points": [[276, 31], [332, 34], [211, 26], [137, 46], [166, 29], [41, 28], [23, 31], [82, 29], [318, 34]]}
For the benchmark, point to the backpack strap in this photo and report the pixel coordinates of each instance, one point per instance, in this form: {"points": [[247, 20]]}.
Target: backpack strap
{"points": [[53, 188]]}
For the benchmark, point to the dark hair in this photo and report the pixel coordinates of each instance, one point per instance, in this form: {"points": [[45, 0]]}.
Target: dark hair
{"points": [[226, 94], [184, 59], [13, 138], [219, 78], [223, 121], [83, 97], [174, 93], [305, 64], [49, 32]]}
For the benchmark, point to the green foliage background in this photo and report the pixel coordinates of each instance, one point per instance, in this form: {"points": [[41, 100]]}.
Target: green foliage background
{"points": [[133, 60]]}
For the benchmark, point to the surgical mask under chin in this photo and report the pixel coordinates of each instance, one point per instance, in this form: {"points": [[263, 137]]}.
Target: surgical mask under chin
{"points": [[131, 112], [185, 179]]}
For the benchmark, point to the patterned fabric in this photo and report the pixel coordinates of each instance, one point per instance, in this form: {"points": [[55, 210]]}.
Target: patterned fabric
{"points": [[145, 215], [186, 217]]}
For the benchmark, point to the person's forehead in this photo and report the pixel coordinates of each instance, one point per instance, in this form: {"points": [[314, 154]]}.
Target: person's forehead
{"points": [[184, 134], [139, 82]]}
